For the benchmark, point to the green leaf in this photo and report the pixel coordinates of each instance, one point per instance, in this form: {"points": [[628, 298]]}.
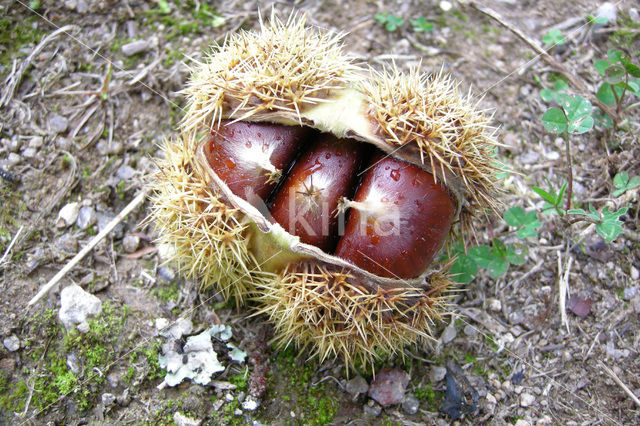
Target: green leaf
{"points": [[218, 21], [577, 211], [164, 7], [554, 120], [464, 269], [611, 226], [498, 249], [481, 255], [632, 69], [553, 37], [615, 74], [515, 216], [550, 198], [615, 56], [578, 114], [600, 65], [602, 119], [529, 230], [581, 126], [393, 23], [498, 267], [422, 25], [622, 182], [560, 85], [605, 93], [517, 254], [547, 95], [380, 17]]}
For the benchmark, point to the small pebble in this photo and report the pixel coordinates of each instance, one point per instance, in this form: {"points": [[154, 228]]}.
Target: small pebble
{"points": [[29, 153], [108, 399], [103, 219], [608, 11], [106, 148], [182, 420], [437, 373], [527, 400], [58, 124], [67, 215], [635, 274], [166, 274], [67, 243], [634, 15], [250, 404], [469, 330], [134, 47], [445, 6], [629, 292], [125, 173], [522, 422], [516, 317], [12, 343], [389, 386], [13, 159], [410, 404], [86, 217], [357, 385], [130, 243], [36, 142], [372, 408], [73, 362], [448, 334]]}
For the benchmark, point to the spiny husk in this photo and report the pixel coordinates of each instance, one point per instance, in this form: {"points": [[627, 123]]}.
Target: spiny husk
{"points": [[335, 315], [453, 136], [286, 67], [207, 236]]}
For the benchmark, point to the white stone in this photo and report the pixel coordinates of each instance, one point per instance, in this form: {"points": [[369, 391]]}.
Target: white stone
{"points": [[12, 343], [13, 159], [250, 404], [437, 373], [67, 215], [607, 10], [527, 400], [495, 305], [445, 6], [182, 420], [134, 47], [448, 334], [75, 306]]}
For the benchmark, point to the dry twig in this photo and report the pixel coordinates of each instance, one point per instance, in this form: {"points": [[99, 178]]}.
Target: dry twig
{"points": [[619, 382], [16, 77], [78, 257]]}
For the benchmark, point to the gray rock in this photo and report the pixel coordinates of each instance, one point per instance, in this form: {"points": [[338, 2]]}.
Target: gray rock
{"points": [[181, 327], [36, 142], [448, 334], [106, 148], [73, 362], [75, 306], [634, 15], [67, 244], [629, 292], [357, 385], [495, 305], [130, 243], [372, 408], [125, 173], [182, 420], [108, 399], [67, 215], [516, 317], [132, 28], [607, 10], [437, 373], [29, 153], [527, 400], [12, 343], [469, 330], [58, 124], [410, 404], [166, 274], [134, 47], [86, 217], [103, 219], [13, 159], [82, 6]]}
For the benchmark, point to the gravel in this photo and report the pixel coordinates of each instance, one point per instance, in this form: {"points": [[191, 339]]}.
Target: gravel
{"points": [[12, 343], [76, 305]]}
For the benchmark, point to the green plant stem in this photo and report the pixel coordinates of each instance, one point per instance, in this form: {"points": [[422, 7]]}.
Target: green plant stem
{"points": [[567, 145], [624, 91]]}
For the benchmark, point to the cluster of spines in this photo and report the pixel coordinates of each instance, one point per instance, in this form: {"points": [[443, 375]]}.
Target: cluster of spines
{"points": [[283, 68], [453, 136], [206, 236], [335, 315]]}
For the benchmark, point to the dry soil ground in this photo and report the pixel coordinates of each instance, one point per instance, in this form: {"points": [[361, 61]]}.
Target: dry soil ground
{"points": [[82, 118]]}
